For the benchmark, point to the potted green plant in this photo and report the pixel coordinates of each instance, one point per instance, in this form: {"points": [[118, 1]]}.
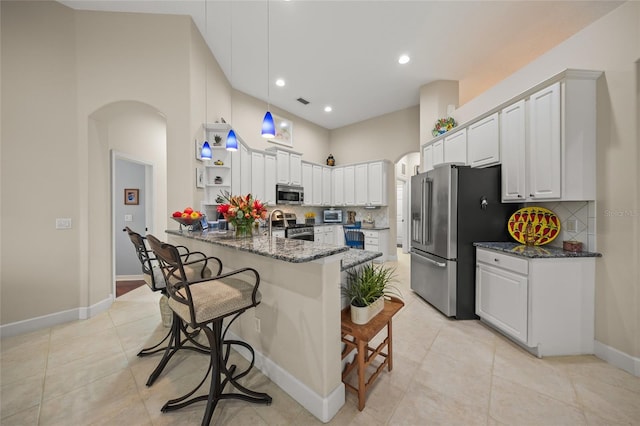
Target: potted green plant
{"points": [[366, 288]]}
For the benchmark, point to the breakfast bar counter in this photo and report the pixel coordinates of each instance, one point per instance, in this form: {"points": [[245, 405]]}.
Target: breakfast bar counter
{"points": [[295, 330], [288, 250]]}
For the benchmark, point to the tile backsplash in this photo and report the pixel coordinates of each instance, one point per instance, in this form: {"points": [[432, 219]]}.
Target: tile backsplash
{"points": [[580, 213], [380, 215]]}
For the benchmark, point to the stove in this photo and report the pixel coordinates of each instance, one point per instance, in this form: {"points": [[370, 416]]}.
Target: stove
{"points": [[293, 230]]}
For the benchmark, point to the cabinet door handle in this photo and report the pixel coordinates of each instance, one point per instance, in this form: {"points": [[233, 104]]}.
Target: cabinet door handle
{"points": [[532, 196], [519, 196], [496, 260]]}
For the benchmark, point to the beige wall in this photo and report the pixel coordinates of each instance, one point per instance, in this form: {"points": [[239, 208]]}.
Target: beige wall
{"points": [[387, 137], [63, 72], [309, 139], [434, 101], [40, 167], [612, 45]]}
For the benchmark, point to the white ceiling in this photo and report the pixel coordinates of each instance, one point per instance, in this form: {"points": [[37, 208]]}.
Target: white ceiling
{"points": [[344, 53]]}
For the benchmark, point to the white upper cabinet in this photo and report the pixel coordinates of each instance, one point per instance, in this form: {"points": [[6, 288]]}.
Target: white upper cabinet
{"points": [[307, 182], [455, 147], [326, 186], [377, 183], [548, 142], [282, 171], [258, 175], [245, 168], [361, 184], [513, 137], [289, 167], [349, 186], [483, 142], [543, 144], [427, 158], [437, 153], [338, 186], [317, 185], [295, 169], [270, 179]]}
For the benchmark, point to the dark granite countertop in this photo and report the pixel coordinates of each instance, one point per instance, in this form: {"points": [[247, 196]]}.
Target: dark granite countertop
{"points": [[533, 252], [355, 257], [288, 250]]}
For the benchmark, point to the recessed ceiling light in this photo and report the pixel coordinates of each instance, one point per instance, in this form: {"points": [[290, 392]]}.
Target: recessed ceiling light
{"points": [[280, 82], [328, 109], [403, 59]]}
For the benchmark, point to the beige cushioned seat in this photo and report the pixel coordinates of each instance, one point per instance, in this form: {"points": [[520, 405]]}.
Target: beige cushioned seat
{"points": [[215, 298]]}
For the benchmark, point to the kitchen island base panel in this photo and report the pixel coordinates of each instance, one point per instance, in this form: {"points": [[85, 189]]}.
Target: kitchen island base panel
{"points": [[323, 408], [299, 320]]}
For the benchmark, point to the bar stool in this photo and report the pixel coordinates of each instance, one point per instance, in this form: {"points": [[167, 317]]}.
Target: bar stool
{"points": [[203, 305], [196, 266]]}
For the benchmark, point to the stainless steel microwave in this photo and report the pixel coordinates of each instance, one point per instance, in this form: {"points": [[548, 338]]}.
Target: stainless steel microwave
{"points": [[332, 216], [289, 194]]}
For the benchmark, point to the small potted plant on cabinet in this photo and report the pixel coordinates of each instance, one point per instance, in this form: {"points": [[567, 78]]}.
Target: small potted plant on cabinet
{"points": [[366, 288]]}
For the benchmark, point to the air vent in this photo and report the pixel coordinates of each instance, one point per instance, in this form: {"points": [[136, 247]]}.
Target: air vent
{"points": [[303, 101]]}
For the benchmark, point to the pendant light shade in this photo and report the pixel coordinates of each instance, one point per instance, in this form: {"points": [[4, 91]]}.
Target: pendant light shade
{"points": [[205, 154], [232, 142], [268, 126]]}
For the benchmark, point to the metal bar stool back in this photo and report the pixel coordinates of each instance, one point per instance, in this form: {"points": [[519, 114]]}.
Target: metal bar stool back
{"points": [[204, 304]]}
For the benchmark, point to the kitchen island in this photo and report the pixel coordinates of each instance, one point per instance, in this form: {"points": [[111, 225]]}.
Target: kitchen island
{"points": [[295, 331]]}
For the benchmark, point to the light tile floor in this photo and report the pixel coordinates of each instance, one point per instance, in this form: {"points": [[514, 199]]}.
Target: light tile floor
{"points": [[445, 372]]}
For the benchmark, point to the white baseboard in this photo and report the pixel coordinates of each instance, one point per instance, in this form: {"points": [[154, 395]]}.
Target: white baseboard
{"points": [[50, 320], [322, 408], [129, 277], [620, 359]]}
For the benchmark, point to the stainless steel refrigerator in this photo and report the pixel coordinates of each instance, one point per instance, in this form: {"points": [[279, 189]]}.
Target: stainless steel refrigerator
{"points": [[451, 208]]}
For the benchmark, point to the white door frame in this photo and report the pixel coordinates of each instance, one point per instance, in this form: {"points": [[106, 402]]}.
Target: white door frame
{"points": [[148, 190]]}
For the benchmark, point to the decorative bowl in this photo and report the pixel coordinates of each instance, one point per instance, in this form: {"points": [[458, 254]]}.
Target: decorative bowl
{"points": [[191, 224]]}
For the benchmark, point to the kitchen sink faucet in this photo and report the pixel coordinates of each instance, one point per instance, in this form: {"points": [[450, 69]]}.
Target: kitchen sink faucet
{"points": [[271, 220]]}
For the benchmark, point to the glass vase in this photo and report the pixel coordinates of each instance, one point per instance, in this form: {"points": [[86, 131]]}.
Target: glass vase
{"points": [[244, 230]]}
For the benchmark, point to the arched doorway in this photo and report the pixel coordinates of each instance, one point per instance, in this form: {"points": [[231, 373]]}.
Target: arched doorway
{"points": [[125, 136], [405, 167]]}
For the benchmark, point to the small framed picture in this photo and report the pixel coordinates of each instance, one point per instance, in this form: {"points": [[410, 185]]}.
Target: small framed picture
{"points": [[284, 132], [131, 196], [200, 177]]}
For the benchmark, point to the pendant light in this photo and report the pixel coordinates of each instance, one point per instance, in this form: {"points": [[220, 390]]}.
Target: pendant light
{"points": [[206, 153], [232, 141], [268, 125]]}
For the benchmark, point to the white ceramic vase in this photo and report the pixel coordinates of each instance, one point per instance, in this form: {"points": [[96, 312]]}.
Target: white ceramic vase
{"points": [[362, 315]]}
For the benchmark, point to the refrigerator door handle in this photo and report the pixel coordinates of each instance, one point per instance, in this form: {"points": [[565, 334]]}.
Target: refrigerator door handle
{"points": [[427, 189], [438, 264]]}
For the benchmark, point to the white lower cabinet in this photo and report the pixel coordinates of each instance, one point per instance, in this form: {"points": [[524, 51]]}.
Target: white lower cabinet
{"points": [[546, 304], [324, 234], [501, 296], [376, 240]]}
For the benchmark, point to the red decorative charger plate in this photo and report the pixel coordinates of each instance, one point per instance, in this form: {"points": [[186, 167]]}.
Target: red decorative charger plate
{"points": [[546, 225]]}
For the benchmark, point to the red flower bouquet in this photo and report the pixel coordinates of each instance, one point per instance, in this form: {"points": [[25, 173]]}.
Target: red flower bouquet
{"points": [[242, 212]]}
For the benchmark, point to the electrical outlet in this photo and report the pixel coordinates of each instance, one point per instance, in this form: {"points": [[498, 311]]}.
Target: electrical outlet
{"points": [[257, 322], [572, 225], [63, 223], [128, 218]]}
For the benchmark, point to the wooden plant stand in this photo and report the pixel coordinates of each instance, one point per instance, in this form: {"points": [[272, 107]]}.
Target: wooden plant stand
{"points": [[357, 337]]}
